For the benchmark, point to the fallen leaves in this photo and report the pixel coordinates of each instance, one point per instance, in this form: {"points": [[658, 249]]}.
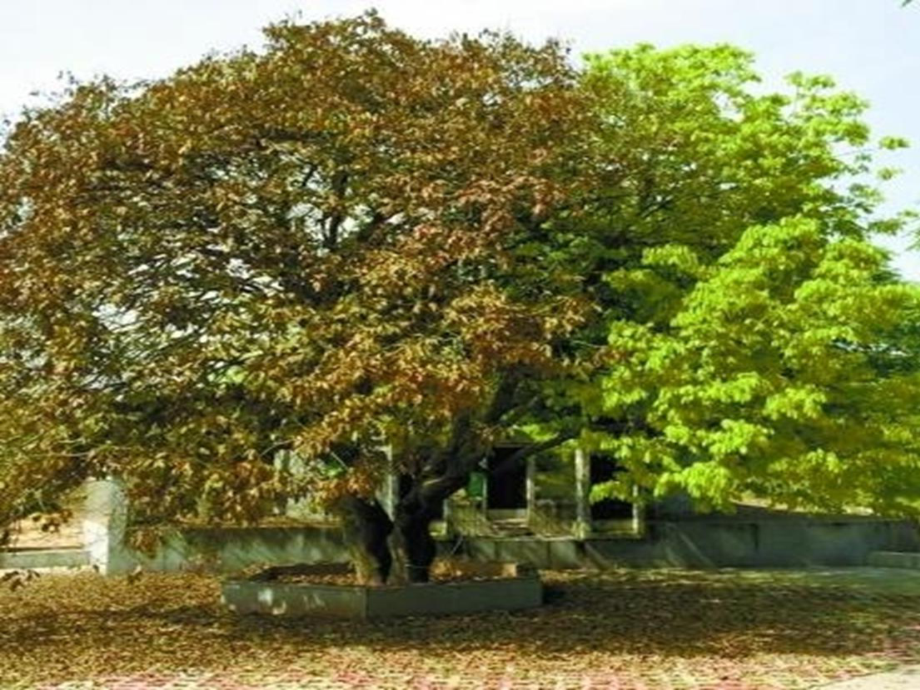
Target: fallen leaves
{"points": [[657, 628], [15, 579]]}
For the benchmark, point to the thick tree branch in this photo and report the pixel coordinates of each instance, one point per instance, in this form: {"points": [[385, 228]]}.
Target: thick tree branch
{"points": [[337, 215], [503, 400], [511, 462]]}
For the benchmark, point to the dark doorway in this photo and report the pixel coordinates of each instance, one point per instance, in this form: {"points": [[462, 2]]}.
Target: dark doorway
{"points": [[508, 490], [603, 469]]}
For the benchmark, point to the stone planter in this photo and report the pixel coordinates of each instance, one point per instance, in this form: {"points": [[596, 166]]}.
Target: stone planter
{"points": [[519, 589]]}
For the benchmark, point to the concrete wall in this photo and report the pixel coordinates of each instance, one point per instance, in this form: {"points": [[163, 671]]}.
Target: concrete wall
{"points": [[221, 549], [695, 544], [30, 559], [228, 550], [751, 538], [708, 543]]}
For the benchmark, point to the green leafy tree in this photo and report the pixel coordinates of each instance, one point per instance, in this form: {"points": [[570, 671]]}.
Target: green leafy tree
{"points": [[783, 373], [758, 345]]}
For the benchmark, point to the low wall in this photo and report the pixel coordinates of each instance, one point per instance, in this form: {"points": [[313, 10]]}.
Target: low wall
{"points": [[518, 589], [232, 549], [207, 549], [29, 559], [748, 538], [698, 543], [712, 543]]}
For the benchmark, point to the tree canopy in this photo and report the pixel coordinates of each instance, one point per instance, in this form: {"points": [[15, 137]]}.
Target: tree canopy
{"points": [[382, 253], [761, 347], [784, 373]]}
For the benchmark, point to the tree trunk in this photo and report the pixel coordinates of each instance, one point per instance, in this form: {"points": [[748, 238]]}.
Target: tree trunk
{"points": [[366, 527], [414, 514], [417, 547]]}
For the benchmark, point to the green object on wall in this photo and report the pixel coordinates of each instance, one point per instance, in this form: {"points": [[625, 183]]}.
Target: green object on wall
{"points": [[476, 486]]}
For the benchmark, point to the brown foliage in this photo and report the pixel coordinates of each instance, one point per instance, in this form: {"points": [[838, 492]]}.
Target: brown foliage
{"points": [[311, 248]]}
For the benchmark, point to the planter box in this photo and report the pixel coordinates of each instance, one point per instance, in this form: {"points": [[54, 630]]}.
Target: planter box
{"points": [[521, 591]]}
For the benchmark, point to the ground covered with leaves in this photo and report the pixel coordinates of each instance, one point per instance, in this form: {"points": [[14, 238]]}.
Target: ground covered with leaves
{"points": [[622, 629]]}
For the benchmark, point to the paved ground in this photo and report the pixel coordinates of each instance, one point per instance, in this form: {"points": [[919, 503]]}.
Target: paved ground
{"points": [[654, 630], [907, 678]]}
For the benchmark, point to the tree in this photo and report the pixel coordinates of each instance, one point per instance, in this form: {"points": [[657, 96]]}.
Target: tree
{"points": [[309, 249], [380, 253], [785, 373], [758, 344]]}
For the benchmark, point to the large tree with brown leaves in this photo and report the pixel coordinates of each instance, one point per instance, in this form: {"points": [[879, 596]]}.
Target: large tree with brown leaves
{"points": [[314, 249]]}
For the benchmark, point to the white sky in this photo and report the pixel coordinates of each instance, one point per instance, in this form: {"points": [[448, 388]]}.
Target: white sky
{"points": [[870, 46]]}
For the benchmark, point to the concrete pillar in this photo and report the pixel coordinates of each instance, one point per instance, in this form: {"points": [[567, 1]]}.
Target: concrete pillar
{"points": [[582, 489], [389, 492], [530, 489], [638, 514], [448, 524], [104, 527]]}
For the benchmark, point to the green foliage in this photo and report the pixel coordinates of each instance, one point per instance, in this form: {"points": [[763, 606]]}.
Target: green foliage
{"points": [[782, 375], [756, 343]]}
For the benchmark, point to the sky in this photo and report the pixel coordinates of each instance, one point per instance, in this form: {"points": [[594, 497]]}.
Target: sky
{"points": [[870, 46]]}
